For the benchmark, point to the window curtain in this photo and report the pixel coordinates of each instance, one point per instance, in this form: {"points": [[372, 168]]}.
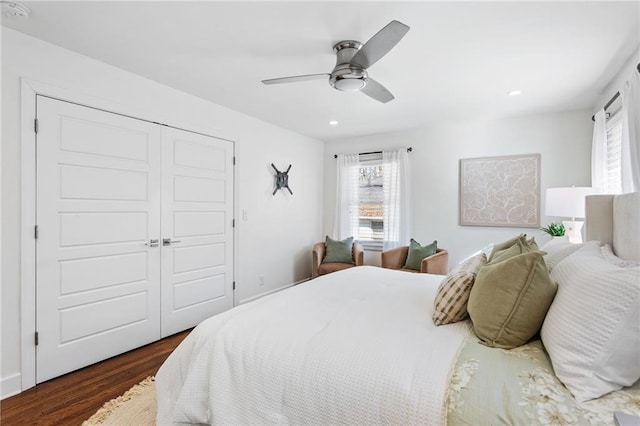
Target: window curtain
{"points": [[630, 95], [397, 198], [346, 219], [599, 171]]}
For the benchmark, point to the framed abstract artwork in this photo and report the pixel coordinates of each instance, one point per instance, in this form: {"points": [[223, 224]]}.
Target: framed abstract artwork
{"points": [[500, 191]]}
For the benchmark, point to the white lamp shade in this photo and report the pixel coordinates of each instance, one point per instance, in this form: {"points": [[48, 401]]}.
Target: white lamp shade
{"points": [[567, 202]]}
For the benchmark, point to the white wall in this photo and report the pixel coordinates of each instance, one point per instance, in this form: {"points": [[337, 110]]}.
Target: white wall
{"points": [[274, 242], [617, 82], [563, 140]]}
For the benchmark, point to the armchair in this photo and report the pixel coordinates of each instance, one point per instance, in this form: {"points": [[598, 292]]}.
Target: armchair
{"points": [[319, 268], [396, 258]]}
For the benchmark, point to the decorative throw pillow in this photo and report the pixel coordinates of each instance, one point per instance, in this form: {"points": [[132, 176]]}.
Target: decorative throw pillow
{"points": [[531, 243], [338, 251], [592, 330], [509, 300], [507, 253], [519, 247], [610, 257], [450, 304], [418, 252], [558, 249], [473, 263], [505, 245]]}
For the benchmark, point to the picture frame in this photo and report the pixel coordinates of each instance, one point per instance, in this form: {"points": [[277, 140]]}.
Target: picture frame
{"points": [[500, 191]]}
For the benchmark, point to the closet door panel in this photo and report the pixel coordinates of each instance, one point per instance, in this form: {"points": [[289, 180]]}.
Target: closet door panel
{"points": [[197, 214], [98, 205]]}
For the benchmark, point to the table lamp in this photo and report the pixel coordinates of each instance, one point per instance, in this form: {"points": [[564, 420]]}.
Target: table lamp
{"points": [[569, 202]]}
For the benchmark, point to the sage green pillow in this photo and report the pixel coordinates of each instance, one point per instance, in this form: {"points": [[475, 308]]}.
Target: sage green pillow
{"points": [[519, 247], [418, 252], [506, 244], [338, 251], [531, 243], [507, 253], [510, 299]]}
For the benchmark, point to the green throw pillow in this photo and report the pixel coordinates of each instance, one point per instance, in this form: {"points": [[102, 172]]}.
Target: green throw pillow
{"points": [[506, 244], [510, 299], [337, 251], [519, 247], [532, 244], [418, 252]]}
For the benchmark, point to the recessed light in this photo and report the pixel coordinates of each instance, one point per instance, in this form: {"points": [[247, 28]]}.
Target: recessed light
{"points": [[514, 92], [333, 122]]}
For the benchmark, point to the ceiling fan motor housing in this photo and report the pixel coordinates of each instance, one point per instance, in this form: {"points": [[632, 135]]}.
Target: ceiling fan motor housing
{"points": [[346, 76]]}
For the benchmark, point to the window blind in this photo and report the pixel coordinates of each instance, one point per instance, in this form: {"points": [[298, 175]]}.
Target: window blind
{"points": [[371, 205], [614, 154]]}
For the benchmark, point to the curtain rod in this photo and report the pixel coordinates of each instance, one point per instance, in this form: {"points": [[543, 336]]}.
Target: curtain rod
{"points": [[613, 98], [372, 152]]}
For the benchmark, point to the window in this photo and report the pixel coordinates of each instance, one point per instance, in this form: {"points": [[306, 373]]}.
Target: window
{"points": [[615, 163], [373, 199], [371, 202], [613, 178]]}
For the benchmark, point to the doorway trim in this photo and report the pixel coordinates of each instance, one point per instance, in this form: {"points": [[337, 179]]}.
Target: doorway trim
{"points": [[29, 90]]}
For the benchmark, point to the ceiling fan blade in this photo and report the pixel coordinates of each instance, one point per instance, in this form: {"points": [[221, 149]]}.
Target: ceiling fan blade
{"points": [[377, 91], [295, 79], [380, 44]]}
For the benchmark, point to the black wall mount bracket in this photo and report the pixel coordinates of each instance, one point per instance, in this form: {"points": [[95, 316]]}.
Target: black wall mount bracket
{"points": [[282, 179]]}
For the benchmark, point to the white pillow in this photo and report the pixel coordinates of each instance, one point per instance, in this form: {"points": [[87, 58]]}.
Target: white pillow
{"points": [[607, 253], [592, 329], [557, 250]]}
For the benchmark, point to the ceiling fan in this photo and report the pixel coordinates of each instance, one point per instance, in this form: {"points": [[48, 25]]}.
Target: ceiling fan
{"points": [[353, 58]]}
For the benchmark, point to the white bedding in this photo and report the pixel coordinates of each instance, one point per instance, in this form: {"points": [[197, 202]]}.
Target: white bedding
{"points": [[353, 347]]}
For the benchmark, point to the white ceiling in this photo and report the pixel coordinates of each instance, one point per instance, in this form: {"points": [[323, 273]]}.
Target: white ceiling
{"points": [[458, 61]]}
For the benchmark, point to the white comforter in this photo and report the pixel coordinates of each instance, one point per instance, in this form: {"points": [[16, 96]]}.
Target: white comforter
{"points": [[352, 347]]}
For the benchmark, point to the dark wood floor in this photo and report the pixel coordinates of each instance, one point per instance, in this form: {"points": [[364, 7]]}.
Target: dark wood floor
{"points": [[74, 397]]}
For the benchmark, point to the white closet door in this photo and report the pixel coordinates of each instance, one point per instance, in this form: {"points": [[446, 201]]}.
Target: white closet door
{"points": [[98, 203], [197, 213]]}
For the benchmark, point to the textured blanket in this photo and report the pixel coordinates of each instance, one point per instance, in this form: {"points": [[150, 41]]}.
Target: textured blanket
{"points": [[353, 347]]}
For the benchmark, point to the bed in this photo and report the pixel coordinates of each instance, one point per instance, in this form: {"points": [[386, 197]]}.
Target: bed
{"points": [[359, 347]]}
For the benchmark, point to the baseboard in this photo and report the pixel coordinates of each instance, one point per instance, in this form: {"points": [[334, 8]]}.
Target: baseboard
{"points": [[10, 385], [272, 291]]}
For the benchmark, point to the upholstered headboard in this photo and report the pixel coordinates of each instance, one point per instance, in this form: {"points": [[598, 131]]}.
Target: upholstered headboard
{"points": [[615, 220]]}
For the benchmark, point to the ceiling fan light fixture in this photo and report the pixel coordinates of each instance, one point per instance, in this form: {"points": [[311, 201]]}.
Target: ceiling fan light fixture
{"points": [[348, 78], [350, 84]]}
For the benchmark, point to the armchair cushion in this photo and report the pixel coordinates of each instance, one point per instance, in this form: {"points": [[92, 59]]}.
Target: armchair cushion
{"points": [[338, 251], [418, 252]]}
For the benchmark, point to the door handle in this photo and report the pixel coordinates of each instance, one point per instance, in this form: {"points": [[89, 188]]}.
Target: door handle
{"points": [[167, 241], [152, 243]]}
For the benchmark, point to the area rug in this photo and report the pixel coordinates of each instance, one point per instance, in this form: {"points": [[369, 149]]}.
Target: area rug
{"points": [[136, 407]]}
